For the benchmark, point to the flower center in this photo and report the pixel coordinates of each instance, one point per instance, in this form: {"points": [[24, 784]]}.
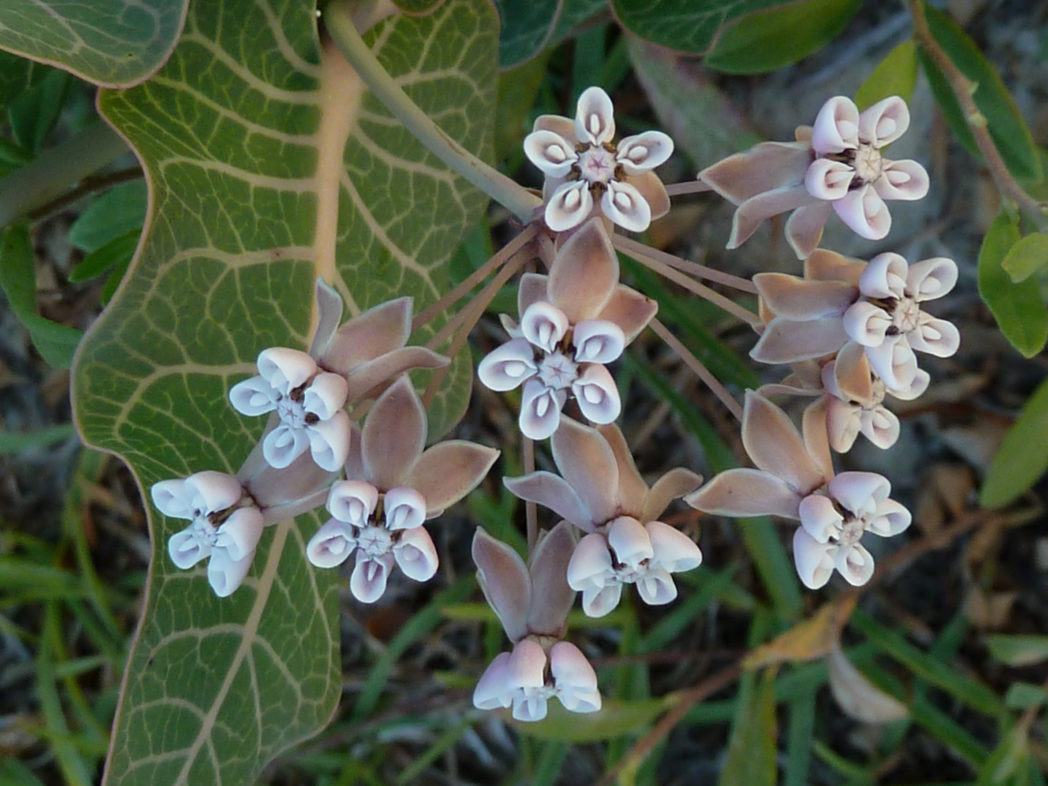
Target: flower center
{"points": [[374, 541], [597, 165], [203, 531], [558, 371], [868, 164], [851, 531], [291, 412], [906, 316]]}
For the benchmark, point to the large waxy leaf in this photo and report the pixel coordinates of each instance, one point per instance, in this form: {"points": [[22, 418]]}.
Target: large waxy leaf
{"points": [[109, 42], [269, 165], [684, 25], [529, 27]]}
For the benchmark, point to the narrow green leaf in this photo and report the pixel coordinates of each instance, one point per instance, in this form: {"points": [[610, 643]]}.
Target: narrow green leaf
{"points": [[614, 719], [117, 212], [1023, 695], [800, 734], [116, 253], [1018, 650], [1007, 128], [750, 760], [1023, 455], [684, 25], [1019, 309], [775, 37], [11, 442], [1026, 257], [1007, 764], [108, 42], [17, 74], [895, 75], [34, 113]]}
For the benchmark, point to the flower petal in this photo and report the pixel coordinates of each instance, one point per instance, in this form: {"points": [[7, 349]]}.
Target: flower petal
{"points": [[894, 361], [819, 517], [881, 427], [746, 492], [172, 499], [186, 549], [369, 577], [284, 444], [225, 574], [574, 678], [551, 596], [598, 602], [673, 485], [544, 325], [656, 587], [866, 323], [587, 463], [632, 488], [415, 554], [804, 228], [889, 519], [937, 337], [378, 331], [285, 369], [584, 273], [569, 205], [885, 277], [645, 151], [393, 435], [915, 388], [493, 688], [594, 117], [827, 179], [590, 566], [449, 470], [931, 278], [855, 563], [505, 582], [626, 206], [864, 212], [764, 167], [790, 341], [813, 559], [800, 299], [597, 341], [630, 310], [239, 534], [331, 545], [651, 191], [540, 410], [550, 152], [352, 501], [325, 395], [843, 423], [836, 127], [629, 541], [884, 122], [253, 396], [553, 492], [508, 366], [329, 441], [210, 491], [533, 288], [905, 180], [405, 508], [860, 492], [775, 445], [749, 215], [674, 551], [596, 394], [371, 377]]}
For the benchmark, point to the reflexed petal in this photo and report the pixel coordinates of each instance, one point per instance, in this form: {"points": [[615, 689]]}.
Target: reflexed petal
{"points": [[574, 678], [630, 310], [804, 228], [369, 578], [866, 323], [895, 362], [815, 432], [855, 563], [569, 205], [828, 180], [814, 560], [843, 423], [826, 265], [836, 127], [493, 689], [329, 316], [225, 575], [597, 395], [284, 444], [764, 167], [673, 485], [540, 410], [850, 376], [415, 554], [746, 492], [931, 278], [864, 212], [819, 517], [629, 541], [551, 596], [285, 369], [239, 534], [553, 492], [449, 470], [393, 436], [368, 336], [508, 366], [253, 396], [533, 288], [673, 550], [757, 208], [885, 277], [644, 151], [329, 441], [584, 273], [325, 395], [331, 545], [775, 445], [597, 341], [550, 152], [631, 486], [626, 206], [544, 325], [370, 378], [505, 581], [860, 492], [890, 518], [651, 191], [884, 122], [172, 499], [405, 508], [186, 550], [656, 587], [594, 117], [590, 566], [906, 180], [801, 299], [211, 491], [599, 601], [559, 125], [881, 427], [352, 501], [935, 336], [587, 463], [790, 341]]}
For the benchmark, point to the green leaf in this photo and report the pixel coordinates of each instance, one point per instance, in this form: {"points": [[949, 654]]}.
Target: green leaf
{"points": [[530, 27], [750, 760], [15, 443], [269, 165], [1005, 124], [1007, 764], [34, 113], [614, 719], [1018, 650], [1026, 257], [117, 212], [17, 74], [56, 343], [1023, 695], [109, 42], [895, 75], [116, 253], [775, 37], [684, 25], [1019, 309]]}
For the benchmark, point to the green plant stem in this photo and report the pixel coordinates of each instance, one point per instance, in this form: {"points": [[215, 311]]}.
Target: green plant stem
{"points": [[57, 170], [515, 198], [963, 90]]}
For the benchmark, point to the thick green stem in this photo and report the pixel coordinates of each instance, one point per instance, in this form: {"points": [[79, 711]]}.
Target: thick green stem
{"points": [[513, 197], [57, 170]]}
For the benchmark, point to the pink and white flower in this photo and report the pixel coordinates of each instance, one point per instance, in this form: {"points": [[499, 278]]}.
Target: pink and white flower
{"points": [[583, 167]]}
